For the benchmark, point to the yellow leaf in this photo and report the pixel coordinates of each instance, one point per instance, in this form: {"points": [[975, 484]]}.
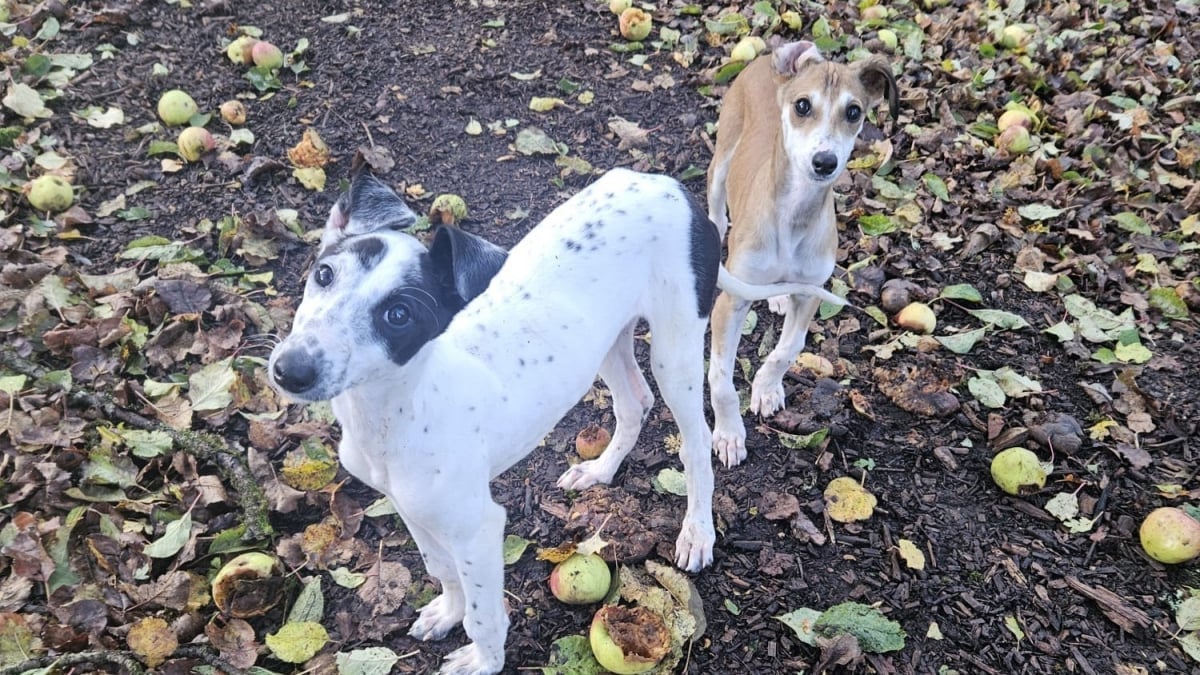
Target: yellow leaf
{"points": [[307, 473], [474, 128], [913, 557], [846, 501], [312, 178], [544, 104], [310, 153], [934, 632], [1099, 430], [587, 97], [152, 640], [298, 641]]}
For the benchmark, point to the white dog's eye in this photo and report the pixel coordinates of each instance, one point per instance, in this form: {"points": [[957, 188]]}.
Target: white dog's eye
{"points": [[397, 316], [803, 107], [324, 275], [853, 113]]}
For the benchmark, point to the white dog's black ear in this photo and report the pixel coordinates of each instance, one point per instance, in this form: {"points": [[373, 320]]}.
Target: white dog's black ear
{"points": [[790, 57], [464, 263], [369, 205]]}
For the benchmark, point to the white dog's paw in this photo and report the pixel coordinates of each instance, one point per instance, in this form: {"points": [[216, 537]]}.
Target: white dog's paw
{"points": [[437, 618], [729, 442], [471, 660], [694, 547], [766, 402], [779, 304], [584, 475]]}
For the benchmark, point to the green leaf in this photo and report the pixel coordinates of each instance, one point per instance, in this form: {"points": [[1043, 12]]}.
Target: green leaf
{"points": [[175, 536], [961, 292], [877, 314], [801, 622], [1015, 384], [1038, 212], [670, 481], [1134, 352], [987, 391], [146, 444], [209, 388], [228, 540], [999, 319], [962, 343], [1064, 506], [369, 661], [1190, 643], [802, 441], [310, 602], [875, 632], [297, 642], [1132, 222], [534, 141], [728, 71], [572, 655], [346, 578], [875, 224], [514, 548], [1187, 614], [25, 101], [12, 384], [1167, 301], [936, 186]]}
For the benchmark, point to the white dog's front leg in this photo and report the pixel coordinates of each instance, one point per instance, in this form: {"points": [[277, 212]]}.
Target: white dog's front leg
{"points": [[766, 393], [446, 611], [729, 432], [480, 562]]}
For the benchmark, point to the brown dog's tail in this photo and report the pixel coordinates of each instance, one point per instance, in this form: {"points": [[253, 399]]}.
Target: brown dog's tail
{"points": [[748, 291]]}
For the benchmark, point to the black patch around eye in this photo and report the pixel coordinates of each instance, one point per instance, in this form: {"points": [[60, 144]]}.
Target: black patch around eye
{"points": [[430, 308]]}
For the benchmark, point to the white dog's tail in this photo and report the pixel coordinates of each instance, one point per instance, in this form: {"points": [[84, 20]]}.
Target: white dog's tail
{"points": [[748, 291]]}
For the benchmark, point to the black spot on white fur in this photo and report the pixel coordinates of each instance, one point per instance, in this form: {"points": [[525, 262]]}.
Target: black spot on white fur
{"points": [[368, 250]]}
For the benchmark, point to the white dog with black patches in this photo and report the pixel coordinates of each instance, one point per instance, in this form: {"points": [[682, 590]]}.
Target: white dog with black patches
{"points": [[440, 385]]}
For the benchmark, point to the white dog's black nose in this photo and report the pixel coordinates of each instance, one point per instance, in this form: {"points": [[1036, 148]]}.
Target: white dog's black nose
{"points": [[294, 371], [824, 163]]}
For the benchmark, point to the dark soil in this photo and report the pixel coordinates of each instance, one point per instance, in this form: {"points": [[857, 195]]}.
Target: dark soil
{"points": [[410, 78]]}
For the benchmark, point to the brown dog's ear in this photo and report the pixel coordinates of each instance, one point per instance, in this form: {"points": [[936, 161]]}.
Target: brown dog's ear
{"points": [[788, 58], [875, 74]]}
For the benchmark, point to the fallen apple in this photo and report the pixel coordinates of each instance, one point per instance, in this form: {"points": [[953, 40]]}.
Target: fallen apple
{"points": [[1017, 470], [792, 19], [634, 24], [581, 579], [50, 193], [1014, 117], [1013, 37], [874, 13], [266, 55], [447, 209], [233, 112], [1015, 140], [176, 107], [917, 317], [618, 6], [628, 640], [591, 441], [194, 142], [240, 49], [747, 48], [1170, 535], [244, 587], [889, 38]]}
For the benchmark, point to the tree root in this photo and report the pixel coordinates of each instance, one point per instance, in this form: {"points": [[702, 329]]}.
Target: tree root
{"points": [[205, 447]]}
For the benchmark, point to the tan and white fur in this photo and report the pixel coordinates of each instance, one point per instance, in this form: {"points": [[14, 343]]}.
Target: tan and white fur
{"points": [[786, 130]]}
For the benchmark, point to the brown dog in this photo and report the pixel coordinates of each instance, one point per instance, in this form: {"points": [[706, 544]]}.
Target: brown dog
{"points": [[787, 128]]}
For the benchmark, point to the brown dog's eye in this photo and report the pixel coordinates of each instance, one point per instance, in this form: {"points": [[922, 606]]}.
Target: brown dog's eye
{"points": [[323, 276], [853, 113], [803, 107]]}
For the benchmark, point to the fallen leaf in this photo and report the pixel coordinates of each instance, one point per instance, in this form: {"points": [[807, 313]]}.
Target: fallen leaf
{"points": [[846, 501]]}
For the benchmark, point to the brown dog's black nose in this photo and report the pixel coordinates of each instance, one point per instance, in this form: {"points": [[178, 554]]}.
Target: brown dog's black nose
{"points": [[294, 371], [824, 163]]}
